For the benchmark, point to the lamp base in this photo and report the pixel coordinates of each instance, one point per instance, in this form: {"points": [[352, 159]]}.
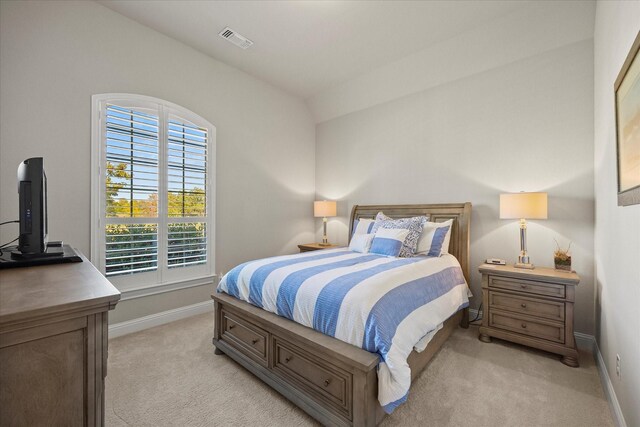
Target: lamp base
{"points": [[324, 244], [523, 265]]}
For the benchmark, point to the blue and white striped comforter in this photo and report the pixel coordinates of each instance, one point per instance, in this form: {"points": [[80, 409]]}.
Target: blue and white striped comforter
{"points": [[384, 305]]}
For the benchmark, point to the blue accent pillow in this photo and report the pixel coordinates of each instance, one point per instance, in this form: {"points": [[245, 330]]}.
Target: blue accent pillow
{"points": [[388, 241], [414, 225]]}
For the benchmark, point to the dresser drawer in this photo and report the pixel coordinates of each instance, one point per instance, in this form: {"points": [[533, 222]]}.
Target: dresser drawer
{"points": [[534, 307], [550, 331], [250, 339], [527, 286], [313, 375]]}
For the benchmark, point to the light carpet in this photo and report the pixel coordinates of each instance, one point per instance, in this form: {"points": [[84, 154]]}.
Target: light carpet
{"points": [[169, 376]]}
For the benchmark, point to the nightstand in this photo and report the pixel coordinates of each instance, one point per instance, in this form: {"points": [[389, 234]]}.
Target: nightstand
{"points": [[530, 307], [315, 247]]}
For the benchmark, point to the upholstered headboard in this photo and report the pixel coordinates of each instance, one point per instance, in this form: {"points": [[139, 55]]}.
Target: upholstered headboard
{"points": [[459, 212]]}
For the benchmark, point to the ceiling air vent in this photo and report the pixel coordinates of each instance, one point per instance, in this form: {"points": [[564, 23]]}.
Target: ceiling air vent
{"points": [[235, 38]]}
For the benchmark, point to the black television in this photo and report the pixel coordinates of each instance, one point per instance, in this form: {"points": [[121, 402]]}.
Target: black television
{"points": [[32, 189], [34, 247]]}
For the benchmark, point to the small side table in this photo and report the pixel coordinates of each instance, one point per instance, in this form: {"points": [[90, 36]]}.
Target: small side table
{"points": [[530, 307], [315, 247]]}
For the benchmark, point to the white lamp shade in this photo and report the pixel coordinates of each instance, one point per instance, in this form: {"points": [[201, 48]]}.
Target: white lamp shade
{"points": [[324, 208], [523, 206]]}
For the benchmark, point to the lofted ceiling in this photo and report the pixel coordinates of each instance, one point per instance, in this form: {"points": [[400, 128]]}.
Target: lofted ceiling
{"points": [[306, 47]]}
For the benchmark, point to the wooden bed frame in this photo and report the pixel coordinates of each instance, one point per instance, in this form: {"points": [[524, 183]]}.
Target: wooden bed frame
{"points": [[334, 382]]}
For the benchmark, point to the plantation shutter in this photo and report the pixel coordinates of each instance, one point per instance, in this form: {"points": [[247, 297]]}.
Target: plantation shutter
{"points": [[131, 189], [186, 193]]}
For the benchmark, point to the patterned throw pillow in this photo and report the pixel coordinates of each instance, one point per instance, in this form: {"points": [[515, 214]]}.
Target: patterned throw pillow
{"points": [[414, 225]]}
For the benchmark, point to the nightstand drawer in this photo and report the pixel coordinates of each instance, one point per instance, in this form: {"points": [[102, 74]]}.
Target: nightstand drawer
{"points": [[534, 307], [527, 286], [524, 325]]}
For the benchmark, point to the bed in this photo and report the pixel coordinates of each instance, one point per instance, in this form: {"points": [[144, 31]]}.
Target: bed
{"points": [[333, 381]]}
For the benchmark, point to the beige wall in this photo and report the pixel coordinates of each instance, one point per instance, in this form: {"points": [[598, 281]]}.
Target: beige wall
{"points": [[523, 126], [55, 55], [617, 234]]}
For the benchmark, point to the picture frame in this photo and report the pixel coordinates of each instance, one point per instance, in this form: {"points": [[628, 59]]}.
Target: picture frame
{"points": [[627, 110]]}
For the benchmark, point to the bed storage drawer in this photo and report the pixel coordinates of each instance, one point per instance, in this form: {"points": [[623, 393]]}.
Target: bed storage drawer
{"points": [[526, 325], [246, 337], [547, 309], [527, 286], [313, 375]]}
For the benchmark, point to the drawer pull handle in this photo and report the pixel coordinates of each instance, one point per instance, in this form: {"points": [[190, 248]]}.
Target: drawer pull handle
{"points": [[524, 325], [254, 341], [231, 327], [523, 305], [327, 382], [287, 359]]}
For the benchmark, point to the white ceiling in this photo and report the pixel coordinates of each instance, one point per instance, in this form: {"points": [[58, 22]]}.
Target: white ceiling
{"points": [[305, 47]]}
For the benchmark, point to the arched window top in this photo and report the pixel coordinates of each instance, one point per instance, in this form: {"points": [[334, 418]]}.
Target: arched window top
{"points": [[149, 102]]}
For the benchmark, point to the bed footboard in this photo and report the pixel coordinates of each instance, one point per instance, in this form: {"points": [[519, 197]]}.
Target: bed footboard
{"points": [[334, 382]]}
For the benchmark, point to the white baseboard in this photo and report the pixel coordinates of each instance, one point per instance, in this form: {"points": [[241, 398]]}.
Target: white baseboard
{"points": [[146, 322], [618, 417], [585, 342]]}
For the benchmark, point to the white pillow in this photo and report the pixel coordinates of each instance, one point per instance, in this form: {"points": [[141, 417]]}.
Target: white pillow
{"points": [[361, 243], [435, 238], [362, 226]]}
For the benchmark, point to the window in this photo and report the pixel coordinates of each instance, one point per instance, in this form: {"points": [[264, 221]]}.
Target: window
{"points": [[153, 191]]}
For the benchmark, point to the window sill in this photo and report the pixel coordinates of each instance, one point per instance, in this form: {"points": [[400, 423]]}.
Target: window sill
{"points": [[147, 290]]}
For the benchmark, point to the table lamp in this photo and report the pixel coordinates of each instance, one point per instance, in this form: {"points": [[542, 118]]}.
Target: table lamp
{"points": [[523, 206], [323, 209]]}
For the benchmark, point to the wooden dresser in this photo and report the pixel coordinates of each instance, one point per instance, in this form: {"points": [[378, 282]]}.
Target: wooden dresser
{"points": [[53, 344], [530, 307]]}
